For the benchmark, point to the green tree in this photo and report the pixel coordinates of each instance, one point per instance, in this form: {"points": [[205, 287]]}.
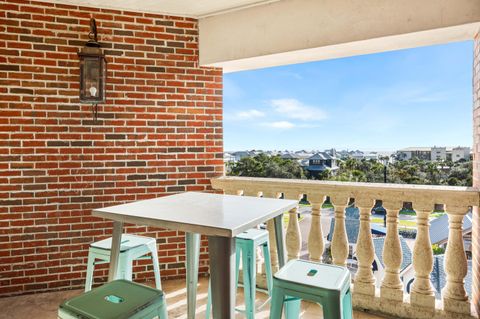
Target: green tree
{"points": [[262, 165]]}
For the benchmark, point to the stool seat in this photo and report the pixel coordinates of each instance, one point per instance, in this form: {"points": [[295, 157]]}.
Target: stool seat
{"points": [[253, 234], [328, 285], [314, 275], [119, 299], [128, 242], [132, 247]]}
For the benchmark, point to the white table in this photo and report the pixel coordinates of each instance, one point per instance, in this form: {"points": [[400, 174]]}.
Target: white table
{"points": [[220, 217]]}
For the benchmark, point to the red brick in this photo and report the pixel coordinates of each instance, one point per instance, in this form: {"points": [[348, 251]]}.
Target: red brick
{"points": [[61, 164]]}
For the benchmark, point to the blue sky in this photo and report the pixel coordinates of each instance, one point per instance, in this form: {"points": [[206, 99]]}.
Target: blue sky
{"points": [[385, 101]]}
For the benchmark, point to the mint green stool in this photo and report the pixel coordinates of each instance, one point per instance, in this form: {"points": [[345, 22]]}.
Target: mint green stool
{"points": [[132, 248], [325, 284], [118, 299], [246, 246]]}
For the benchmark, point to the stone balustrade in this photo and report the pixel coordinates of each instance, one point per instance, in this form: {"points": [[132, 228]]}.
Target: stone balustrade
{"points": [[390, 298]]}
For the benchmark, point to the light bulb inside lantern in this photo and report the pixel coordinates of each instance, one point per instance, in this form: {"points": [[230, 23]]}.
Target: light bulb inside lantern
{"points": [[93, 91]]}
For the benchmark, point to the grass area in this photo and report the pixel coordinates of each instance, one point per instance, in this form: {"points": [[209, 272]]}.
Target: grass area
{"points": [[408, 212], [405, 223], [286, 218]]}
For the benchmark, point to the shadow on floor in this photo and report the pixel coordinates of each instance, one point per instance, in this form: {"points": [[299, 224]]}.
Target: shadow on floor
{"points": [[44, 305]]}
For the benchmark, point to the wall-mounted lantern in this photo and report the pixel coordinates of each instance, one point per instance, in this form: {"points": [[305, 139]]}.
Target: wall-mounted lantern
{"points": [[93, 71]]}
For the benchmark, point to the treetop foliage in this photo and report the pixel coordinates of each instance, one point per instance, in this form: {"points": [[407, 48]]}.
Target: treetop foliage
{"points": [[414, 171]]}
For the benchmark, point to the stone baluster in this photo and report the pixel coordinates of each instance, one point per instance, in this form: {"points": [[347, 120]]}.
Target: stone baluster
{"points": [[293, 237], [364, 279], [455, 298], [231, 191], [339, 246], [315, 236], [392, 286], [271, 236], [422, 294]]}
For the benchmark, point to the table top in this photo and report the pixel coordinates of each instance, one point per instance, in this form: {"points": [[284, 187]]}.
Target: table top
{"points": [[203, 213]]}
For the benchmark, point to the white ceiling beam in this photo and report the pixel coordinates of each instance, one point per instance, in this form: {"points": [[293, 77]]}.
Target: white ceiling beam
{"points": [[296, 31]]}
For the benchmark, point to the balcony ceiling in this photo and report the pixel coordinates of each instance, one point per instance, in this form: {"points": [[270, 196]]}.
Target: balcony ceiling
{"points": [[189, 8]]}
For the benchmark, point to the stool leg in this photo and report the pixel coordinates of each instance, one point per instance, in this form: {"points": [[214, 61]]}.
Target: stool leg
{"points": [[208, 311], [193, 252], [249, 279], [238, 253], [276, 304], [156, 266], [162, 311], [332, 308], [268, 267], [90, 269], [125, 266], [292, 308], [347, 306]]}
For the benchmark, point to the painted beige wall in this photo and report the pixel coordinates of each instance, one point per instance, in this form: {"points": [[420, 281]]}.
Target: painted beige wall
{"points": [[293, 31]]}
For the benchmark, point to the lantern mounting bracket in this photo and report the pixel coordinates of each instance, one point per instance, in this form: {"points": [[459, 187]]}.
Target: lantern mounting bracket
{"points": [[93, 35]]}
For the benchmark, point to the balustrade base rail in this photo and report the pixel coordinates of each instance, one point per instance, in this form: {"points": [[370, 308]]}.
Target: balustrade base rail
{"points": [[405, 310]]}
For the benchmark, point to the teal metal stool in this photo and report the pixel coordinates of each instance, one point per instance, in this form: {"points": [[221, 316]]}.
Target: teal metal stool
{"points": [[300, 279], [119, 299], [132, 248], [246, 246]]}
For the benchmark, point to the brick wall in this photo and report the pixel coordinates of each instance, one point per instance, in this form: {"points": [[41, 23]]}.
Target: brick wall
{"points": [[476, 173], [159, 133]]}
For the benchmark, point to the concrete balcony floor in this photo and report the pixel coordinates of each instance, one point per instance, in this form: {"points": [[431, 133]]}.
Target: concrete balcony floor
{"points": [[44, 305]]}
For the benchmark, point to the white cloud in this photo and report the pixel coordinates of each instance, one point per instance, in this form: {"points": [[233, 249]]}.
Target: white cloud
{"points": [[295, 109], [249, 114], [284, 125]]}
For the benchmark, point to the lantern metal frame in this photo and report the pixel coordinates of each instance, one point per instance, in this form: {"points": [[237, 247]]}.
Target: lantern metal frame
{"points": [[92, 52]]}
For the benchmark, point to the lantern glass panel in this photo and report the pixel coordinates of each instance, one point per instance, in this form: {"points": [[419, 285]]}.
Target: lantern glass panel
{"points": [[92, 82], [92, 77]]}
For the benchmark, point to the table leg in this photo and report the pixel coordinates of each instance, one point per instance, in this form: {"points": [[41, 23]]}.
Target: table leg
{"points": [[279, 238], [193, 254], [222, 259], [115, 250]]}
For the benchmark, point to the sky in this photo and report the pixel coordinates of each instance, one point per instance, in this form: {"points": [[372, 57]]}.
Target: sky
{"points": [[383, 102]]}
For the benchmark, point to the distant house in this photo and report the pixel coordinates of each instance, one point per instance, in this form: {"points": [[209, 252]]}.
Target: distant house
{"points": [[303, 154], [438, 277], [227, 159], [359, 155], [352, 227], [321, 162], [406, 268], [423, 153], [240, 154], [460, 153], [439, 231], [289, 155], [435, 153]]}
